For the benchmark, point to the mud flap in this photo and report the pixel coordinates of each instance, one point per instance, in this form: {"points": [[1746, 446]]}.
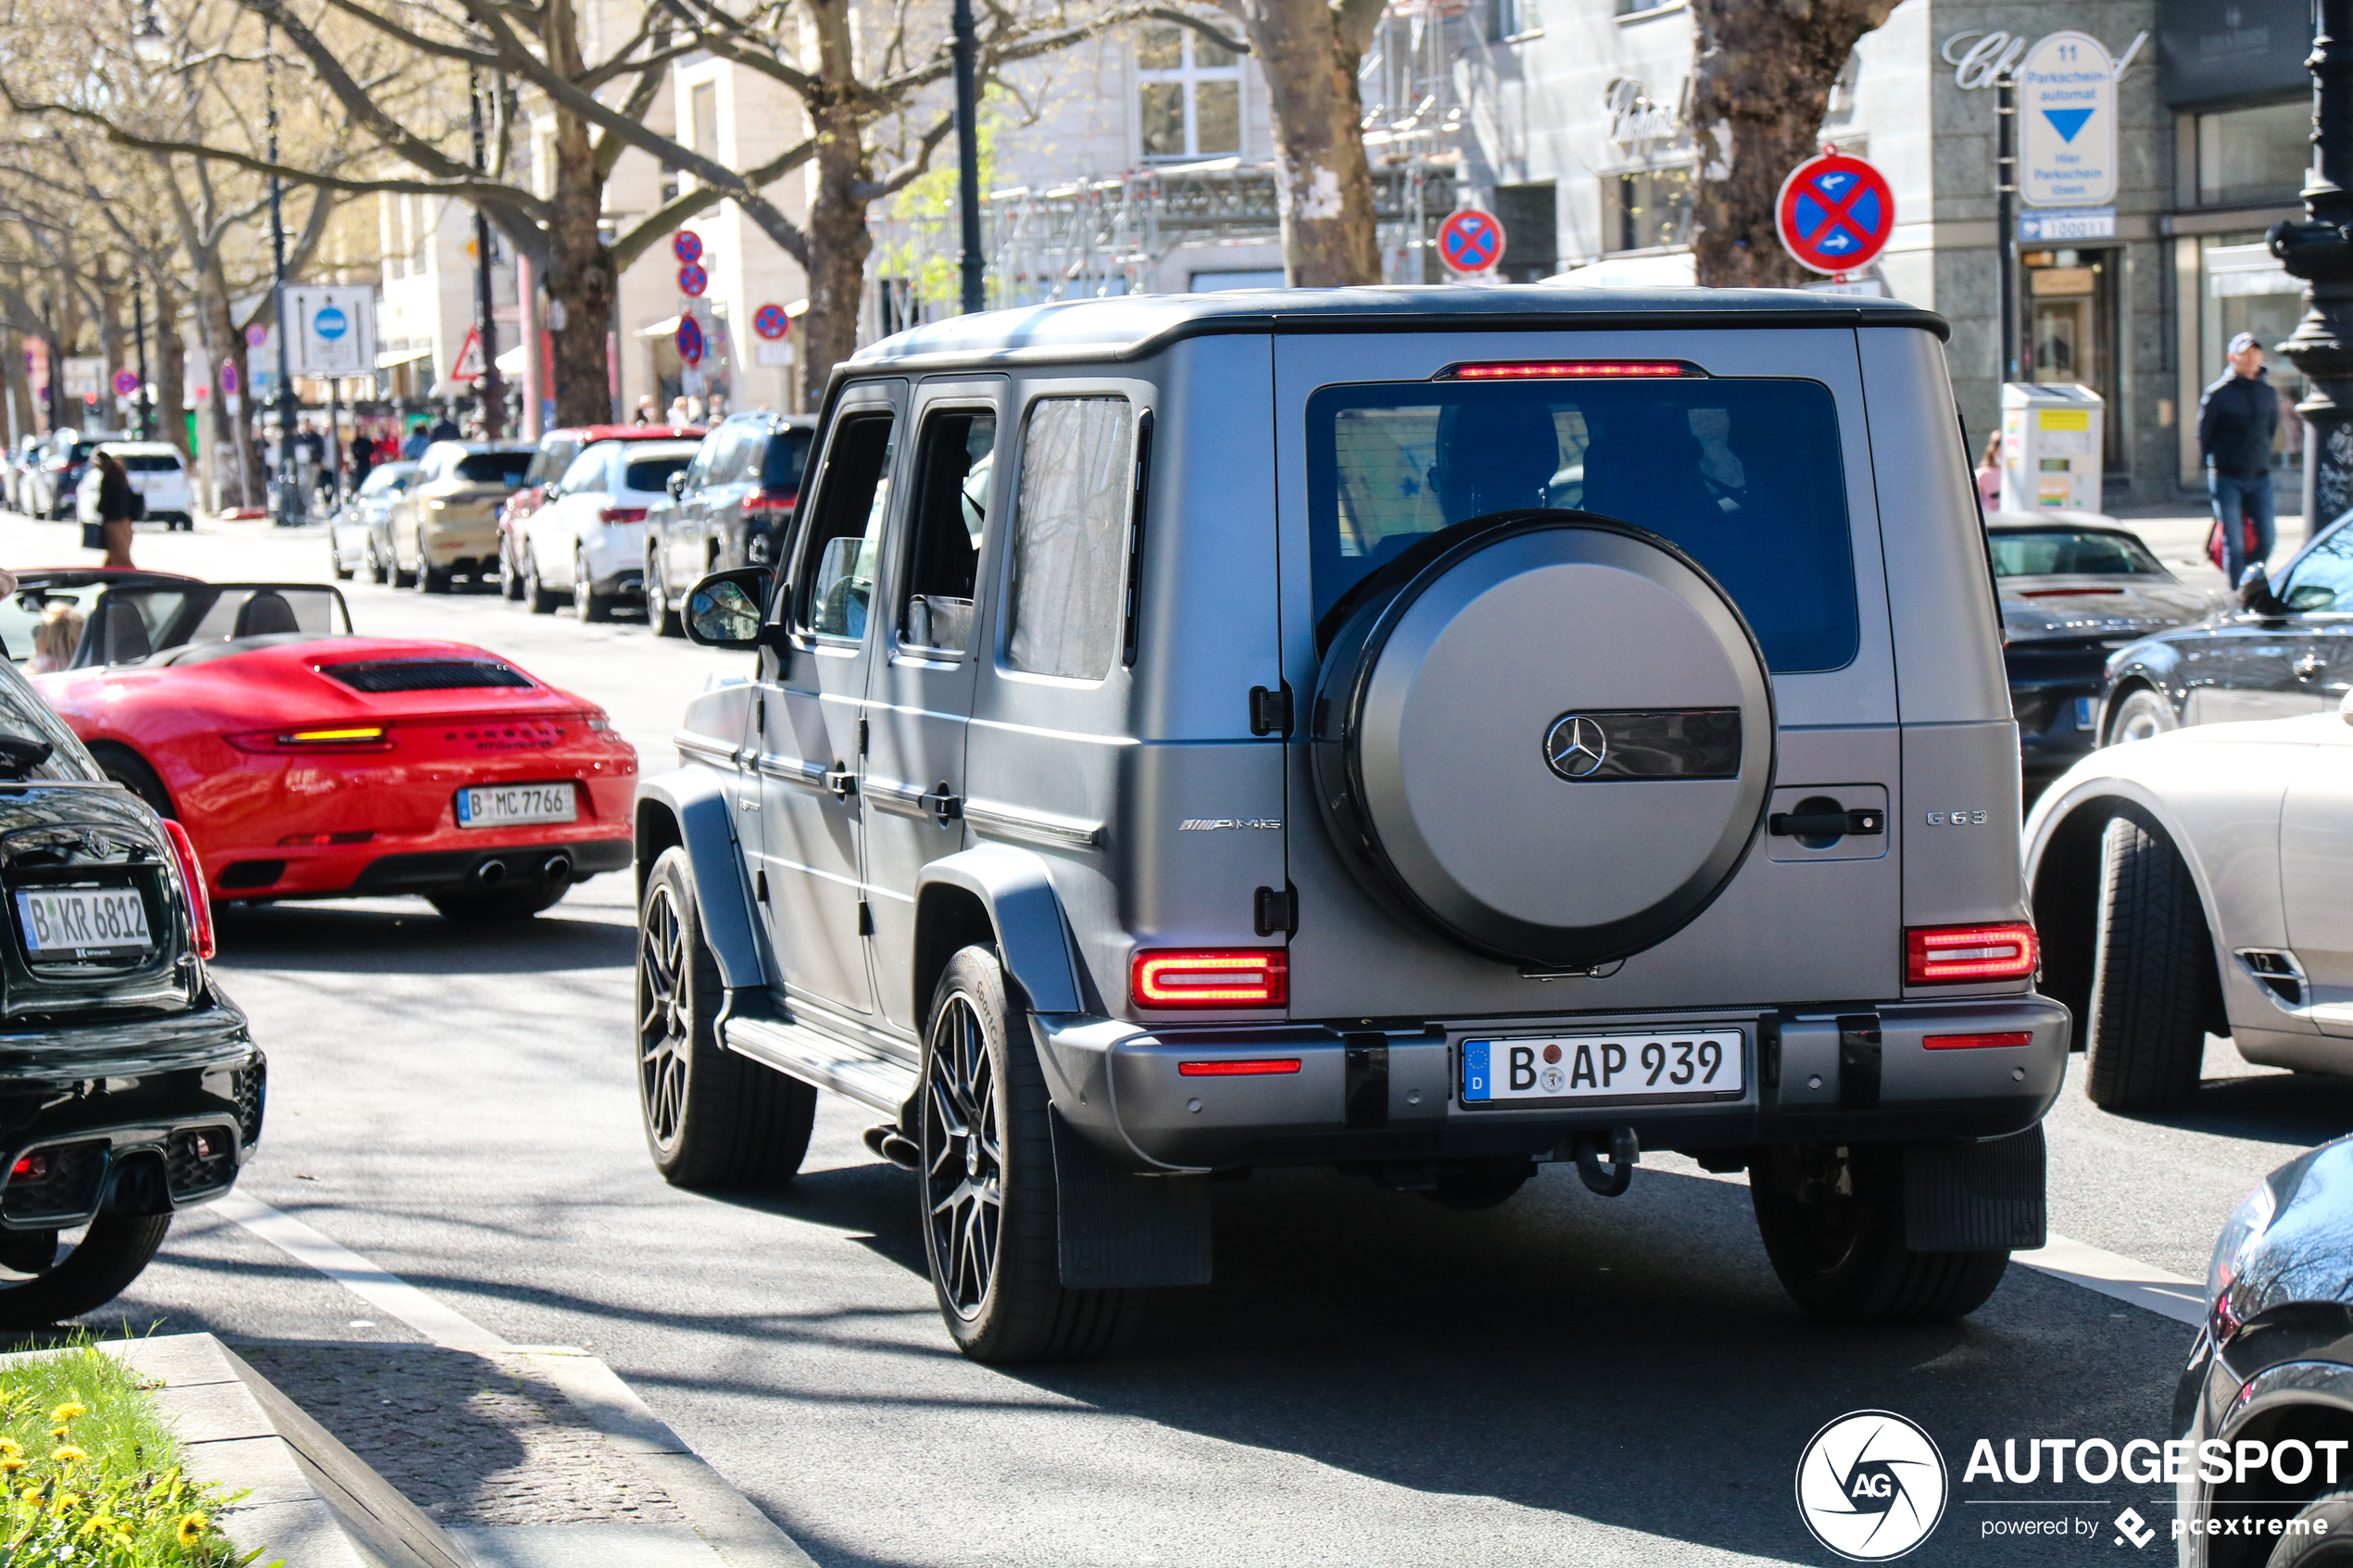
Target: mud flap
{"points": [[1121, 1232], [1975, 1197]]}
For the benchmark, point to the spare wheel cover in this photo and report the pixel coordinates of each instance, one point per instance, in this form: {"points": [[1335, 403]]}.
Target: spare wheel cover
{"points": [[1554, 742]]}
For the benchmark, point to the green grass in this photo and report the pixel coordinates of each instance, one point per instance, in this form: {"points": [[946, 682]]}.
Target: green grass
{"points": [[98, 1485]]}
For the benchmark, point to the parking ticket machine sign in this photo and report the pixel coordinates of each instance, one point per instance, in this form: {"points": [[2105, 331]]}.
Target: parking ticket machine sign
{"points": [[1835, 214]]}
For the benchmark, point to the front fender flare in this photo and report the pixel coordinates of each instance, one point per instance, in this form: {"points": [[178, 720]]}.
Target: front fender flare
{"points": [[696, 799], [1017, 888]]}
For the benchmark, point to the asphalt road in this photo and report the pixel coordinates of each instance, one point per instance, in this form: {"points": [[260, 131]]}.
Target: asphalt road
{"points": [[1371, 1380]]}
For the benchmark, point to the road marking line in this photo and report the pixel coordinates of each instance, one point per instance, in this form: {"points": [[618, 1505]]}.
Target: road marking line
{"points": [[387, 1291], [2110, 1274]]}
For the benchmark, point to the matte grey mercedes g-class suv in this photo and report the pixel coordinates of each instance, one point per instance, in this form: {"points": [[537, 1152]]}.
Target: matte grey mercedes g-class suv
{"points": [[1426, 730]]}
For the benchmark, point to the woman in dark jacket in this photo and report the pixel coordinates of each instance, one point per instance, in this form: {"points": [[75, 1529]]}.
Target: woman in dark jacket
{"points": [[118, 504]]}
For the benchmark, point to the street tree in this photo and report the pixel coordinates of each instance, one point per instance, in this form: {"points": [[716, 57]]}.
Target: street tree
{"points": [[1760, 89]]}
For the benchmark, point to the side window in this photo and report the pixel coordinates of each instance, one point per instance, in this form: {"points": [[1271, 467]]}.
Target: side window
{"points": [[836, 569], [587, 473], [698, 472], [1070, 537], [950, 518], [726, 449], [2323, 580]]}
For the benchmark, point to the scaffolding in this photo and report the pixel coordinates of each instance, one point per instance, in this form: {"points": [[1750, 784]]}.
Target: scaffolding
{"points": [[1093, 239]]}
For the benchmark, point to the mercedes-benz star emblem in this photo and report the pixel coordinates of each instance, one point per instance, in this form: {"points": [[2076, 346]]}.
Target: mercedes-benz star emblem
{"points": [[1575, 746]]}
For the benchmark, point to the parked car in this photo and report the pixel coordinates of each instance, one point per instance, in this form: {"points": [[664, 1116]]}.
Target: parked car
{"points": [[445, 525], [1514, 816], [358, 536], [2073, 587], [556, 449], [728, 509], [133, 1088], [55, 480], [588, 544], [15, 470], [305, 763], [156, 471], [2193, 885], [2281, 649], [2270, 1379]]}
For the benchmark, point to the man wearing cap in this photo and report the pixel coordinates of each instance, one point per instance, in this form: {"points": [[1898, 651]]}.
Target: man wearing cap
{"points": [[2237, 420]]}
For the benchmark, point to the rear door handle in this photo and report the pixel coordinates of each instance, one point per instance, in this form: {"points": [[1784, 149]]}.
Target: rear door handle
{"points": [[840, 782], [2309, 666], [1826, 824], [946, 806]]}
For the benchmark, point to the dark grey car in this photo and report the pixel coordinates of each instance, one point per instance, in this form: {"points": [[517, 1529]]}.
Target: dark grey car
{"points": [[728, 509], [1427, 732]]}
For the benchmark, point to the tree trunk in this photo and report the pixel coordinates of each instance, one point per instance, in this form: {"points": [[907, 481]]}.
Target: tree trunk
{"points": [[1309, 51], [22, 420], [1760, 93], [170, 367], [581, 282], [838, 245], [241, 473]]}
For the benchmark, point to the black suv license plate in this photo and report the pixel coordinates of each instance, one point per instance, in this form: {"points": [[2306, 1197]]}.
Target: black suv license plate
{"points": [[72, 924], [1671, 1064]]}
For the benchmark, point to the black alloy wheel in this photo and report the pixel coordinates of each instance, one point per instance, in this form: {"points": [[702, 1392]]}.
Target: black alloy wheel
{"points": [[989, 1213], [712, 1119], [47, 1277]]}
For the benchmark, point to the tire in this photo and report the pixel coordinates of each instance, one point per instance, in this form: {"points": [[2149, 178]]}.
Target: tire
{"points": [[989, 1214], [510, 580], [431, 578], [1833, 1222], [401, 576], [2142, 713], [498, 903], [665, 620], [712, 1119], [372, 567], [586, 603], [334, 560], [2150, 975], [114, 1250], [130, 770], [2330, 1548], [535, 594]]}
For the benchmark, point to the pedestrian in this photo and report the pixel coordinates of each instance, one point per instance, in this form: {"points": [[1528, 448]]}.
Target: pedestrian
{"points": [[2237, 418], [446, 429], [1989, 474], [646, 414], [414, 447], [363, 457], [107, 527], [55, 637], [678, 411]]}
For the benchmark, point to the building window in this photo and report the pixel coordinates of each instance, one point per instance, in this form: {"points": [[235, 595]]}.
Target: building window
{"points": [[1503, 20], [1189, 95], [2246, 156], [703, 106], [1646, 209], [1530, 217]]}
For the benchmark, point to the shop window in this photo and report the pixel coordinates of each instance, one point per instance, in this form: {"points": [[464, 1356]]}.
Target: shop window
{"points": [[1646, 209], [2070, 336], [2250, 156], [1189, 95], [2243, 289], [1530, 217]]}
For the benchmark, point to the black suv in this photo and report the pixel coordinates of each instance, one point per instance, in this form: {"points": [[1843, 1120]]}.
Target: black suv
{"points": [[728, 509], [129, 1086]]}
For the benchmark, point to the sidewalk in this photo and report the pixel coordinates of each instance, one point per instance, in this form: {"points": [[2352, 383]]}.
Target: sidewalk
{"points": [[2177, 530]]}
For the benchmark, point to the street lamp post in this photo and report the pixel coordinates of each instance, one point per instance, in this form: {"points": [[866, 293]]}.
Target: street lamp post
{"points": [[967, 49], [291, 510], [2319, 251], [2005, 218], [493, 391], [146, 408]]}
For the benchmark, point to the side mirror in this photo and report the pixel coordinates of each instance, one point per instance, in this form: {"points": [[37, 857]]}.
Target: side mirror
{"points": [[724, 610], [2255, 593], [2345, 709], [677, 483]]}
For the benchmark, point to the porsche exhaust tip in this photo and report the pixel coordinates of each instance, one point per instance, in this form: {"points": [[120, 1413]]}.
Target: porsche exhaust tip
{"points": [[557, 868], [490, 873]]}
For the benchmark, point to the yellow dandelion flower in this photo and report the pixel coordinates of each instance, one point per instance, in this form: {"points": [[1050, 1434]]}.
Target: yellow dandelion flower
{"points": [[66, 1501], [100, 1521], [68, 1455], [192, 1528], [10, 1449], [58, 1432], [68, 1411], [10, 1466]]}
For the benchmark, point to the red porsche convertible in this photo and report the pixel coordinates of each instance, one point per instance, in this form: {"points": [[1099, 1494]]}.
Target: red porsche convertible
{"points": [[308, 762]]}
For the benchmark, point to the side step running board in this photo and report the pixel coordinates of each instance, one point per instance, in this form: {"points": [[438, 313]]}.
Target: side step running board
{"points": [[802, 1052]]}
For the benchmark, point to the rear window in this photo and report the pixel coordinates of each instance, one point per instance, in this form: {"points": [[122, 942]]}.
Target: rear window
{"points": [[496, 468], [552, 459], [653, 473], [2067, 552], [787, 455], [1744, 475], [150, 463]]}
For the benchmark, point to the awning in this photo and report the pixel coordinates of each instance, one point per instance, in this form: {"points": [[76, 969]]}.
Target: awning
{"points": [[666, 327], [391, 357], [511, 363]]}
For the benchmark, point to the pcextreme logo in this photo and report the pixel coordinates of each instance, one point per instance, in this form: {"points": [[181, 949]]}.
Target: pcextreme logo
{"points": [[1872, 1486]]}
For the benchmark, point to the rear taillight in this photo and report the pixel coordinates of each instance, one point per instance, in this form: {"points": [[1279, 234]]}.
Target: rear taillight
{"points": [[2008, 1039], [1573, 369], [620, 514], [1951, 955], [767, 503], [1249, 977], [184, 849], [346, 738]]}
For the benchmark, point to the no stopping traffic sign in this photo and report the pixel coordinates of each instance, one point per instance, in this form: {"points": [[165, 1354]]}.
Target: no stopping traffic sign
{"points": [[1835, 213], [1470, 241]]}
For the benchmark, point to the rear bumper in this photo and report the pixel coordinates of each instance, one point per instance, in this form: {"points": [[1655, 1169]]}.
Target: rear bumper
{"points": [[1390, 1095], [365, 871], [178, 1100]]}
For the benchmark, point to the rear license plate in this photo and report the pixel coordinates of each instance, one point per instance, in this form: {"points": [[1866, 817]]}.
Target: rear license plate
{"points": [[499, 805], [1672, 1065], [83, 922]]}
